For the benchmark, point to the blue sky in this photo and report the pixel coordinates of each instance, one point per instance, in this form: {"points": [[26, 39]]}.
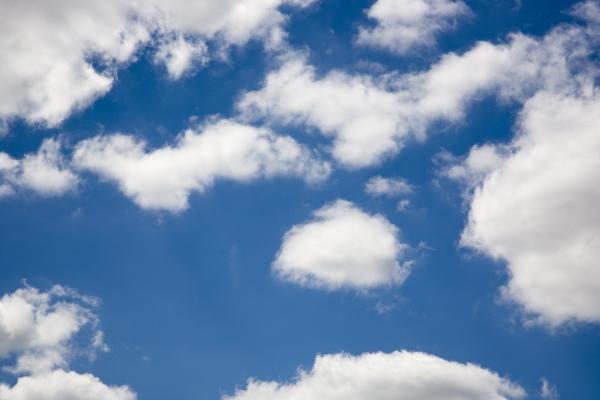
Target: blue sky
{"points": [[251, 272]]}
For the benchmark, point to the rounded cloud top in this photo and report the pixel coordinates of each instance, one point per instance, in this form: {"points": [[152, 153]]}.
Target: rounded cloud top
{"points": [[342, 247]]}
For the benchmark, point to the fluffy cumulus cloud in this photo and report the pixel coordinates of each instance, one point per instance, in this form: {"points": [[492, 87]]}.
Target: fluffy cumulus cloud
{"points": [[38, 327], [342, 247], [380, 186], [370, 118], [162, 178], [358, 112], [61, 385], [533, 203], [41, 331], [400, 375], [63, 55], [402, 25], [45, 172], [539, 209]]}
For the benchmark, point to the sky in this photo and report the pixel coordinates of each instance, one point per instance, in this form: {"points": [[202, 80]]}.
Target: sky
{"points": [[299, 200]]}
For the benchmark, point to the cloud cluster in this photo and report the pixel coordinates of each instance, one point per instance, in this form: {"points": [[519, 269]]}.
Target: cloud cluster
{"points": [[342, 247], [162, 179], [370, 118], [40, 330], [399, 375], [45, 172], [402, 25], [63, 55], [532, 203]]}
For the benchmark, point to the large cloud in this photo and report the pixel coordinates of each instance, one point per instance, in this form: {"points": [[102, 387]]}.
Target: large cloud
{"points": [[538, 208], [45, 172], [42, 331], [370, 118], [534, 202], [401, 25], [162, 179], [59, 56], [342, 247], [380, 376]]}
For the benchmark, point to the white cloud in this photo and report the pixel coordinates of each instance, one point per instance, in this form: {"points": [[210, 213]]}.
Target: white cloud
{"points": [[44, 172], [380, 186], [359, 113], [162, 179], [46, 71], [534, 202], [42, 330], [539, 209], [476, 166], [179, 55], [342, 247], [371, 118], [383, 376], [37, 326], [588, 11], [402, 25], [233, 22], [548, 391], [63, 385], [403, 205], [59, 57]]}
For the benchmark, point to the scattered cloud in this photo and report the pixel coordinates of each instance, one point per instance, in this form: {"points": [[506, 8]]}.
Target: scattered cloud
{"points": [[342, 247], [63, 55], [403, 205], [472, 169], [399, 375], [40, 330], [533, 202], [37, 326], [163, 178], [45, 172], [548, 391], [588, 10], [371, 118], [180, 55], [380, 186], [357, 111], [403, 25]]}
